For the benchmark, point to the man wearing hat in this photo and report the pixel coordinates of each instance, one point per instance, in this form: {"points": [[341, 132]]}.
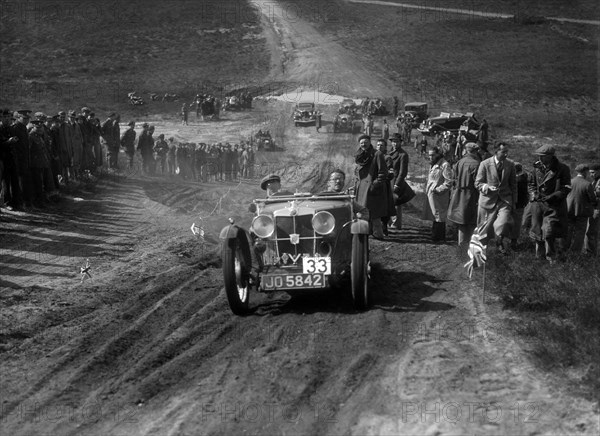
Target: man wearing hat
{"points": [[161, 148], [128, 141], [9, 175], [19, 129], [95, 130], [373, 187], [65, 145], [39, 163], [593, 228], [76, 144], [398, 159], [112, 147], [465, 196], [581, 202], [497, 184], [272, 184], [548, 189], [145, 147]]}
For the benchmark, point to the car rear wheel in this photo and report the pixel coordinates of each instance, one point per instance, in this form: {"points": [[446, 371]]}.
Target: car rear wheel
{"points": [[236, 276], [360, 271]]}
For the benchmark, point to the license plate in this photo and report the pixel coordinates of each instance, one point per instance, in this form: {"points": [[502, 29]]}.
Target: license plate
{"points": [[292, 281], [319, 265]]}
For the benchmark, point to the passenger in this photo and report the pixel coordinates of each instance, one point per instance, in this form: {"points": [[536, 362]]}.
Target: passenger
{"points": [[335, 185]]}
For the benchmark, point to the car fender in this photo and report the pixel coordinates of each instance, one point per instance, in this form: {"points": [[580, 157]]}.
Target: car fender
{"points": [[360, 227]]}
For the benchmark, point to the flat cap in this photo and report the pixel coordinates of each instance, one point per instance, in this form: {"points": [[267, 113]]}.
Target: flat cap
{"points": [[361, 137], [85, 109], [267, 179], [72, 114], [6, 112], [61, 113], [471, 146], [23, 112], [145, 125], [545, 150], [595, 167], [581, 168], [131, 123]]}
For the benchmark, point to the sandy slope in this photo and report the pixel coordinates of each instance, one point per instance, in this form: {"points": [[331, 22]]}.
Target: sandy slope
{"points": [[150, 347]]}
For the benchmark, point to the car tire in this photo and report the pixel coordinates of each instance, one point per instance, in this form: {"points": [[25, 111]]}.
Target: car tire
{"points": [[360, 271], [236, 261]]}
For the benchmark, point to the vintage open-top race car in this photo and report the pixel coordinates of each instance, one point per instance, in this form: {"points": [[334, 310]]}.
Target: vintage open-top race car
{"points": [[305, 114], [297, 242]]}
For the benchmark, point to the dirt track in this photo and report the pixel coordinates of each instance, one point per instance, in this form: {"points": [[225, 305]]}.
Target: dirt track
{"points": [[149, 345]]}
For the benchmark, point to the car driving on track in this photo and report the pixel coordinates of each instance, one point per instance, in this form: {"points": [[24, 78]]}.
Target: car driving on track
{"points": [[295, 243]]}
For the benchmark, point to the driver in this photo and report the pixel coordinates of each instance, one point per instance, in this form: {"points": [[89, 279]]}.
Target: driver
{"points": [[272, 184]]}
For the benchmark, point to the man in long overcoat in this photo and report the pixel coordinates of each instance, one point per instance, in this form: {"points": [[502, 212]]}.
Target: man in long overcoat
{"points": [[463, 202], [372, 188], [399, 161]]}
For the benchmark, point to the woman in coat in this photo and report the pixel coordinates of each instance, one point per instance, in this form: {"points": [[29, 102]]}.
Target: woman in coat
{"points": [[372, 187], [437, 192]]}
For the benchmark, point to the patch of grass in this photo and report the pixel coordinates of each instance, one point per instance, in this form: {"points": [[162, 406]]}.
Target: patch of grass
{"points": [[560, 304], [539, 80], [92, 53]]}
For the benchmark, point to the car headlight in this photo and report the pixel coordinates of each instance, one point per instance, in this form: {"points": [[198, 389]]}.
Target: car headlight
{"points": [[263, 226], [323, 223]]}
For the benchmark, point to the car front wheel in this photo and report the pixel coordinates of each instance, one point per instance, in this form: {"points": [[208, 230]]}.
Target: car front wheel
{"points": [[360, 271], [236, 276]]}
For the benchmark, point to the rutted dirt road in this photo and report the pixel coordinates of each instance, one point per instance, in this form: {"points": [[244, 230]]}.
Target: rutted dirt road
{"points": [[149, 345]]}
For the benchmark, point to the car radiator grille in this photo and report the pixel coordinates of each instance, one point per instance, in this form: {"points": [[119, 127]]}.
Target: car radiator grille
{"points": [[302, 225]]}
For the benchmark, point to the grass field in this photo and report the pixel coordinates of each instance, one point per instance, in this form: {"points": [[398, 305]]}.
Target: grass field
{"points": [[531, 82], [557, 310], [579, 9], [66, 55]]}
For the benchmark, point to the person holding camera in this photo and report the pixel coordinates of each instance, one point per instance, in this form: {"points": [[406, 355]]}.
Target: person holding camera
{"points": [[548, 188]]}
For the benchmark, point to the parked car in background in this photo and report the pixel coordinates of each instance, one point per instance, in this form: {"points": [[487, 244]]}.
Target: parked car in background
{"points": [[305, 114], [447, 122]]}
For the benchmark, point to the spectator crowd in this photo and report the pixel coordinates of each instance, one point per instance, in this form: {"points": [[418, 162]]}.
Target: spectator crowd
{"points": [[485, 195]]}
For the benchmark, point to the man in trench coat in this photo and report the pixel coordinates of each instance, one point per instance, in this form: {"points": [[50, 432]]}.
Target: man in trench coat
{"points": [[463, 202], [437, 192], [372, 188]]}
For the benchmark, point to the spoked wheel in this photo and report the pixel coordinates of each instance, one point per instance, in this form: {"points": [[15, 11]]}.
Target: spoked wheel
{"points": [[360, 271], [236, 275]]}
